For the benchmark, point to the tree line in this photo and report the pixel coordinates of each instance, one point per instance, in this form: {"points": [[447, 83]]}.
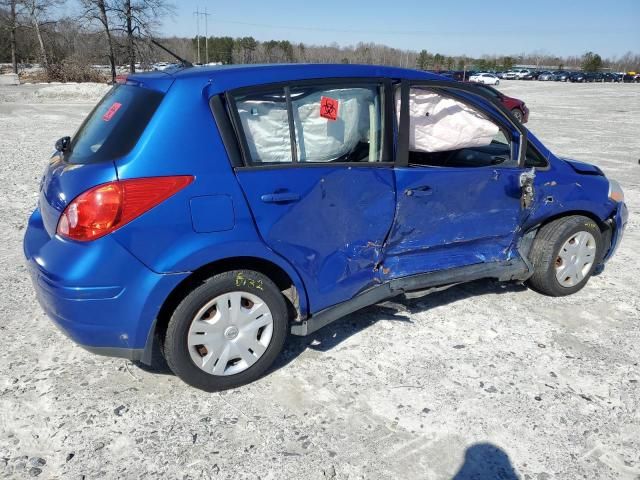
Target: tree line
{"points": [[117, 32], [102, 31]]}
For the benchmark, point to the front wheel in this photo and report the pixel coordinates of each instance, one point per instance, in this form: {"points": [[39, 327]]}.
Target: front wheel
{"points": [[564, 255], [227, 332]]}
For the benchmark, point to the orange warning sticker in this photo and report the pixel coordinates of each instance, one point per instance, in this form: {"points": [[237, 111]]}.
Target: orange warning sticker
{"points": [[112, 111], [329, 108]]}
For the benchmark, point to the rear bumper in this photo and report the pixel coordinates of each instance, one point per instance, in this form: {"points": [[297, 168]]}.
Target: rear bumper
{"points": [[97, 293]]}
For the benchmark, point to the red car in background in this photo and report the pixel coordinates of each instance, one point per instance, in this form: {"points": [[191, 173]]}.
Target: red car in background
{"points": [[516, 106]]}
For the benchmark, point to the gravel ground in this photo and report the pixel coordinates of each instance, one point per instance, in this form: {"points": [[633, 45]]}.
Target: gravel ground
{"points": [[483, 379]]}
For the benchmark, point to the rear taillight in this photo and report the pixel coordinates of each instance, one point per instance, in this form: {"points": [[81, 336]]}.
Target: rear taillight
{"points": [[107, 207]]}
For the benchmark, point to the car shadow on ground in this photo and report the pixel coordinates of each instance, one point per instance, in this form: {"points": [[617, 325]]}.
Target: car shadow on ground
{"points": [[485, 460], [397, 309]]}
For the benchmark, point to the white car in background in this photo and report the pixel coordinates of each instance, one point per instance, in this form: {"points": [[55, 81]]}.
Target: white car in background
{"points": [[516, 74], [486, 78], [522, 73]]}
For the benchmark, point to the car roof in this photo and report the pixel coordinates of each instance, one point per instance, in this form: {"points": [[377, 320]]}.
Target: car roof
{"points": [[228, 77]]}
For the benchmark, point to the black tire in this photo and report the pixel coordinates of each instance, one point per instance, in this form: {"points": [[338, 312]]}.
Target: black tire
{"points": [[546, 247], [175, 343], [517, 113]]}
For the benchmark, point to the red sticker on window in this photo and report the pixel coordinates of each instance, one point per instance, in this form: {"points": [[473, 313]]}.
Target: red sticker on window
{"points": [[329, 108], [112, 111]]}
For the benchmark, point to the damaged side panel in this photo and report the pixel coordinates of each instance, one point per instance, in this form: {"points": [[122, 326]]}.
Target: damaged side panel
{"points": [[451, 217], [331, 225]]}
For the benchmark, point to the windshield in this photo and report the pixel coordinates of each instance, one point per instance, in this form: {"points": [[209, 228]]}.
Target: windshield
{"points": [[114, 126]]}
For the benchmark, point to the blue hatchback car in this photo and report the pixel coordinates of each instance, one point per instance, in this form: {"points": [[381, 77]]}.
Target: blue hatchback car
{"points": [[213, 211]]}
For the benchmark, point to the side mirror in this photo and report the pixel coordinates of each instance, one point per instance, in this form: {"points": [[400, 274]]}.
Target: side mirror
{"points": [[62, 144]]}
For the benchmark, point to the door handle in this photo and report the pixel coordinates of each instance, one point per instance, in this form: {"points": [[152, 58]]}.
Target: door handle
{"points": [[281, 197], [495, 175], [422, 191]]}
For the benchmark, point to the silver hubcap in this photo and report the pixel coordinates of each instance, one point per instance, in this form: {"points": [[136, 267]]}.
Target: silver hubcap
{"points": [[230, 333], [575, 259]]}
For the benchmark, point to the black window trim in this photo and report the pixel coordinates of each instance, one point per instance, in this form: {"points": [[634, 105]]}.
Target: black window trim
{"points": [[537, 151], [232, 120], [292, 127]]}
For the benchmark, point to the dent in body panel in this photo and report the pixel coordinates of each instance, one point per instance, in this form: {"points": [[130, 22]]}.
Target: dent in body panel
{"points": [[467, 216], [561, 190], [333, 234]]}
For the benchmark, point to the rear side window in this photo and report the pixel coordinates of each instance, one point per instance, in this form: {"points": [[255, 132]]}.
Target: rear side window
{"points": [[114, 126], [312, 124], [265, 123]]}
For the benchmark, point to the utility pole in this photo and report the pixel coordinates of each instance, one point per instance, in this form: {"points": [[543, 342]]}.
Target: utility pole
{"points": [[206, 34], [197, 14]]}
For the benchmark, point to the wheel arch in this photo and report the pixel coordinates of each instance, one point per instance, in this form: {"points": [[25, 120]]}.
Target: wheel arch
{"points": [[285, 279], [569, 213]]}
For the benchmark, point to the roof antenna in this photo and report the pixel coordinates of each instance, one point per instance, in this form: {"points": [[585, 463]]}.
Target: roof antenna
{"points": [[185, 63]]}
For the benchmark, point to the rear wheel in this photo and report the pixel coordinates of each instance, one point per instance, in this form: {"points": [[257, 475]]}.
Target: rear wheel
{"points": [[227, 332], [564, 254]]}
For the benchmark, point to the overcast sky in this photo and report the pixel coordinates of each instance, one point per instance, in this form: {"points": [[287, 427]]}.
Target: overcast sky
{"points": [[472, 27]]}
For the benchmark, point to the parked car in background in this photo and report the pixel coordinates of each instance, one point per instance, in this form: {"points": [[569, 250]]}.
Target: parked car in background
{"points": [[516, 106], [522, 73], [631, 77], [485, 78], [286, 198], [545, 76], [517, 74], [579, 77], [595, 77], [459, 75], [611, 77], [562, 76], [533, 75], [500, 75]]}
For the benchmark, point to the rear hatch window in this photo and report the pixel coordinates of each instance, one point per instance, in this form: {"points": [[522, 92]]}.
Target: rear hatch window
{"points": [[114, 126]]}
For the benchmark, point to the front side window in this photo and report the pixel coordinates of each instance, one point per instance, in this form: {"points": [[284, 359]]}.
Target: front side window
{"points": [[446, 132], [312, 124]]}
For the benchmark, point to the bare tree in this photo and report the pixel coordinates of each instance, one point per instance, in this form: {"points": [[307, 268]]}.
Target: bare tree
{"points": [[99, 11], [12, 26], [37, 12], [139, 18]]}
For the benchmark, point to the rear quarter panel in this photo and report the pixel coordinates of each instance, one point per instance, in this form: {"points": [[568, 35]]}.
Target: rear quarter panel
{"points": [[182, 139]]}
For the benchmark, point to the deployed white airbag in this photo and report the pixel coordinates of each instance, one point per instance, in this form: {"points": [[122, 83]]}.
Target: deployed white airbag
{"points": [[439, 123], [318, 139], [321, 140], [266, 129]]}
